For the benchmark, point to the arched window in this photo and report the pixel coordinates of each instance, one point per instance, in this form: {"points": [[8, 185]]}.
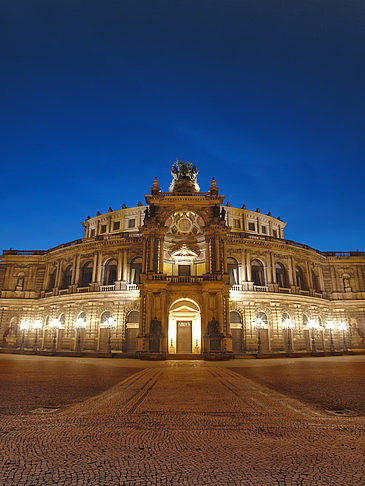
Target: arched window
{"points": [[62, 319], [104, 316], [300, 278], [87, 274], [305, 320], [82, 315], [263, 317], [110, 272], [135, 270], [281, 278], [285, 316], [67, 278], [315, 281], [235, 317], [258, 274], [52, 280], [133, 316], [232, 270]]}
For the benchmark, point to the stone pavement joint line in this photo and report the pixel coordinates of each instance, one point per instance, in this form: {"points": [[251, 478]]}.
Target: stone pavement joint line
{"points": [[183, 424]]}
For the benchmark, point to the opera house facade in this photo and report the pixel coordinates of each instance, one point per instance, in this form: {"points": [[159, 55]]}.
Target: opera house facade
{"points": [[183, 275]]}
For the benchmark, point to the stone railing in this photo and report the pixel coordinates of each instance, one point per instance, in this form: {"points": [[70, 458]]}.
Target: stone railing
{"points": [[236, 288], [260, 288], [132, 287], [81, 290], [106, 288]]}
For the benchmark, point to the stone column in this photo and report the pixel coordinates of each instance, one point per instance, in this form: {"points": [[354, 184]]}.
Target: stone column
{"points": [[291, 282], [207, 255], [125, 263], [73, 270], [46, 278], [242, 267], [248, 266], [119, 266], [224, 255], [294, 275], [217, 255], [77, 271], [309, 276], [100, 268], [152, 247], [273, 267], [268, 269], [144, 256], [59, 275], [321, 279], [160, 267], [95, 263]]}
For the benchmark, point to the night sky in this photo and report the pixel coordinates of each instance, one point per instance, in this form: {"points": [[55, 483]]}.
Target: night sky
{"points": [[98, 97]]}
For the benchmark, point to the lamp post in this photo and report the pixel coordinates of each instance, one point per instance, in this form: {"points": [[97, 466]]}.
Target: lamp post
{"points": [[79, 324], [330, 326], [55, 324], [24, 326], [312, 324], [343, 327], [259, 324], [288, 324], [37, 324], [110, 323]]}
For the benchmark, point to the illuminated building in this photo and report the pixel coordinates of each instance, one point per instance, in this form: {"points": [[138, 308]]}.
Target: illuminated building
{"points": [[183, 274]]}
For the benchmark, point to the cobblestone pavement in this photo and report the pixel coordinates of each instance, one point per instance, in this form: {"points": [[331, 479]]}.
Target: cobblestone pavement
{"points": [[183, 423]]}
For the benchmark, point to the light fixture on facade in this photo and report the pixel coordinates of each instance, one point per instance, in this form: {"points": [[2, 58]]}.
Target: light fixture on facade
{"points": [[288, 324], [24, 326], [259, 323], [330, 326], [37, 324], [110, 323], [342, 326], [54, 324], [312, 324], [79, 324]]}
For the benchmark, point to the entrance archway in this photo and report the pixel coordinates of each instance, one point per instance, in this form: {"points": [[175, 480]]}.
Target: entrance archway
{"points": [[184, 334]]}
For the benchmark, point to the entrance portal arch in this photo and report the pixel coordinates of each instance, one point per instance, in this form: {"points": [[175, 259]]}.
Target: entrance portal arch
{"points": [[184, 333]]}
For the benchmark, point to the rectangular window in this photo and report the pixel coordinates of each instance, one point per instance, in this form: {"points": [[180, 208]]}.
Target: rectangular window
{"points": [[116, 225], [236, 223], [131, 223], [92, 232], [274, 233], [264, 230], [251, 226], [103, 228]]}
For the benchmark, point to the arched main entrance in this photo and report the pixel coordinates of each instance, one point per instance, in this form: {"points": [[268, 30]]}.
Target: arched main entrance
{"points": [[184, 335]]}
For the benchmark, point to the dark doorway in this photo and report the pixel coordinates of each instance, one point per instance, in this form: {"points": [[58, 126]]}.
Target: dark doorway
{"points": [[184, 337], [184, 270]]}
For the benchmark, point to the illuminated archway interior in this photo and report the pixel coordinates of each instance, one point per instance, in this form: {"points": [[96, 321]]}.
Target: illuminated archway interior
{"points": [[184, 327]]}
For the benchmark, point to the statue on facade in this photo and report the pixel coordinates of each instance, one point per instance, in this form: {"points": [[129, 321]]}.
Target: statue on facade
{"points": [[184, 177]]}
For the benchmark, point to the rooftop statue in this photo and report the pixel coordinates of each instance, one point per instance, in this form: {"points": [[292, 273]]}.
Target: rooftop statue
{"points": [[184, 177]]}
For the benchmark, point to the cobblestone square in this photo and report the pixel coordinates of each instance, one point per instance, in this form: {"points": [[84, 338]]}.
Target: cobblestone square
{"points": [[181, 422]]}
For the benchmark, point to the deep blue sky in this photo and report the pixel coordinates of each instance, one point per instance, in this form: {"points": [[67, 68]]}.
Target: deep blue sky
{"points": [[98, 97]]}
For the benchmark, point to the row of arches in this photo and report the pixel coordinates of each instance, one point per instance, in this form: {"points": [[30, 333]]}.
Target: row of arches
{"points": [[258, 275], [109, 274], [69, 337]]}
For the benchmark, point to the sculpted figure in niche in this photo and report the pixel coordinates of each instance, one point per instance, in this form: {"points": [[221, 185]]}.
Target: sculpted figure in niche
{"points": [[20, 283], [346, 284]]}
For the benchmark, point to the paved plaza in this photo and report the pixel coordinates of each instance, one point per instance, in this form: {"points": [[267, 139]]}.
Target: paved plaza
{"points": [[181, 422]]}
